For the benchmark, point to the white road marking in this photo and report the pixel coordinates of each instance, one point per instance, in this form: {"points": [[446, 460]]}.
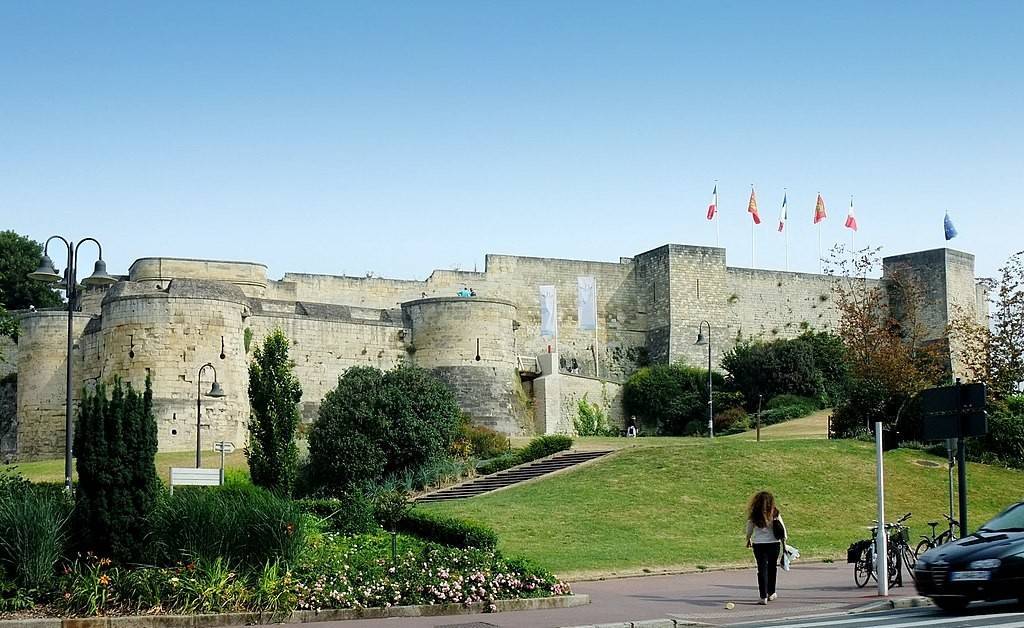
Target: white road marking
{"points": [[926, 621]]}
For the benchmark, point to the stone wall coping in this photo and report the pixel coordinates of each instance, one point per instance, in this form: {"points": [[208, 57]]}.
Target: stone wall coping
{"points": [[469, 300], [268, 314], [26, 314], [194, 259], [940, 252], [198, 289], [299, 616]]}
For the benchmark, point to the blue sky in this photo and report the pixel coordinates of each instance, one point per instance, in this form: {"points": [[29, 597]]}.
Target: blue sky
{"points": [[399, 137]]}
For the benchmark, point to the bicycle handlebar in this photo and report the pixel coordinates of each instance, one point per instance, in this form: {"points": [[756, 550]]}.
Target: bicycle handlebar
{"points": [[951, 520]]}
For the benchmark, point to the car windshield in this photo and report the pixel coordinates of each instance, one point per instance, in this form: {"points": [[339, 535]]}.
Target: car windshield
{"points": [[1010, 520]]}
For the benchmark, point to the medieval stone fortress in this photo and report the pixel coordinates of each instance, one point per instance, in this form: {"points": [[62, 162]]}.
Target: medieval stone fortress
{"points": [[168, 317]]}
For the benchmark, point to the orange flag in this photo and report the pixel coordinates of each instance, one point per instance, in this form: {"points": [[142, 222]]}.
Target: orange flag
{"points": [[819, 210], [752, 207]]}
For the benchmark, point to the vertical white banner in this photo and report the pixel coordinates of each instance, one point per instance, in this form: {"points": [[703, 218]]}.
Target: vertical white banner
{"points": [[586, 302], [548, 311]]}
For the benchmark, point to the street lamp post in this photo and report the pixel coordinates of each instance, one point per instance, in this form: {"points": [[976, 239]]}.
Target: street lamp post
{"points": [[216, 392], [707, 341], [48, 273]]}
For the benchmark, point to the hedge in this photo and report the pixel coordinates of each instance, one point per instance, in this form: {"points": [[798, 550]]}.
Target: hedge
{"points": [[352, 515], [540, 447], [448, 530]]}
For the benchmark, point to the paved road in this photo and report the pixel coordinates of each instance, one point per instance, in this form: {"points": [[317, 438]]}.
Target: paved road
{"points": [[1004, 615], [807, 589]]}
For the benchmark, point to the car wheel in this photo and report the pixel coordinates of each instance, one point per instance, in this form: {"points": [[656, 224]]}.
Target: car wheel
{"points": [[951, 604]]}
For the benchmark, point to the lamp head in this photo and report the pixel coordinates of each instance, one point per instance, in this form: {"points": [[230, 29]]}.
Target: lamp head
{"points": [[46, 271], [216, 391], [99, 276], [701, 339]]}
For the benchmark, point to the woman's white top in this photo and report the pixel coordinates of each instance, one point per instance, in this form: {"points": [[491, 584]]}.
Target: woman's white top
{"points": [[762, 535]]}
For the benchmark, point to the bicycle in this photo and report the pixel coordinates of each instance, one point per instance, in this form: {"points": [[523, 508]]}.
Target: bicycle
{"points": [[933, 541], [864, 556]]}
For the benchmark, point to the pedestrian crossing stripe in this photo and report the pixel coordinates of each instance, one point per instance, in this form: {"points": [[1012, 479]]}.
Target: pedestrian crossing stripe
{"points": [[925, 620]]}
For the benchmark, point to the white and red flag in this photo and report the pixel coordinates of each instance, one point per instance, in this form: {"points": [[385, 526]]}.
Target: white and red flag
{"points": [[713, 207], [851, 220]]}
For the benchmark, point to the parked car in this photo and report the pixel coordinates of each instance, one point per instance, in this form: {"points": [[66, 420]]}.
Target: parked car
{"points": [[987, 565]]}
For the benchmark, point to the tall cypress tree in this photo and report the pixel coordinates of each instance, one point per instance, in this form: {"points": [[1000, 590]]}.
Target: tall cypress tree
{"points": [[115, 447], [274, 395]]}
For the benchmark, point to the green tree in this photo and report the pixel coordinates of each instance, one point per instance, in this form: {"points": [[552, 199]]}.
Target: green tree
{"points": [[375, 424], [20, 256], [274, 395], [115, 450], [671, 399]]}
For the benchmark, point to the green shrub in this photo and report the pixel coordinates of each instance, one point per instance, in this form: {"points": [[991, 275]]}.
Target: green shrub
{"points": [[543, 446], [274, 395], [1004, 443], [115, 449], [811, 365], [486, 443], [244, 525], [33, 535], [666, 398], [350, 514], [732, 421], [591, 420], [779, 401], [448, 530], [500, 463], [376, 424], [865, 401]]}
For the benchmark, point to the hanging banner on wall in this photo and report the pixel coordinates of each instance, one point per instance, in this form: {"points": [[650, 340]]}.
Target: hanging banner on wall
{"points": [[548, 311], [586, 301]]}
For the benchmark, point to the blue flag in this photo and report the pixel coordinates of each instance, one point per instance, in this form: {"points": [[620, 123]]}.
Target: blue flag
{"points": [[950, 229]]}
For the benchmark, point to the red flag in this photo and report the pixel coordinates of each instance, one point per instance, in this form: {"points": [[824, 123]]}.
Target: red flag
{"points": [[713, 207], [752, 207], [851, 220], [819, 210]]}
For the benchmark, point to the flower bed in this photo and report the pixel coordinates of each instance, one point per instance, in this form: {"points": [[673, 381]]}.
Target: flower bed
{"points": [[335, 572]]}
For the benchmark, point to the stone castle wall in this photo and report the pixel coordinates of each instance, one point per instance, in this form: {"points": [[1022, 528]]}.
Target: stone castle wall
{"points": [[171, 315]]}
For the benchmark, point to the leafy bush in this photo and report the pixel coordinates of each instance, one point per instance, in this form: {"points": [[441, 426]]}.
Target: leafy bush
{"points": [[376, 424], [811, 365], [274, 395], [779, 401], [591, 420], [500, 463], [485, 442], [732, 421], [115, 449], [666, 398], [866, 401], [244, 525], [1004, 443], [543, 446], [351, 514], [33, 535], [448, 530]]}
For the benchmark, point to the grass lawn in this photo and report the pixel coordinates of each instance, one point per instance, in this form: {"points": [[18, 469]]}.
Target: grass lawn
{"points": [[682, 505], [53, 470]]}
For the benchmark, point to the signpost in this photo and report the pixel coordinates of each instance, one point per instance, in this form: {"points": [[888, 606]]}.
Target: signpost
{"points": [[956, 411], [224, 447]]}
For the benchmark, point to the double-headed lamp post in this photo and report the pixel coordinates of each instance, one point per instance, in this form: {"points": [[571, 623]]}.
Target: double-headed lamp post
{"points": [[701, 340], [99, 277], [216, 392]]}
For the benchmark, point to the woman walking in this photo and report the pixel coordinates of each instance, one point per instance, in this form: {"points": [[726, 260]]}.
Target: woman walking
{"points": [[765, 533]]}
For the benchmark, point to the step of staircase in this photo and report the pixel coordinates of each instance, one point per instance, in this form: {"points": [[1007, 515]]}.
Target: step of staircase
{"points": [[515, 475]]}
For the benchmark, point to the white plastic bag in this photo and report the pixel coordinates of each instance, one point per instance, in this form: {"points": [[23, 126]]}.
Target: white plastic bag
{"points": [[789, 554]]}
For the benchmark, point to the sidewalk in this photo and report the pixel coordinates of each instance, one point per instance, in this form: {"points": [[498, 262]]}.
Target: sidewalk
{"points": [[701, 597]]}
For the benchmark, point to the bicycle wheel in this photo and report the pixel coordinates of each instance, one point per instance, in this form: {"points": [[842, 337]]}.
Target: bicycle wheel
{"points": [[909, 559], [895, 564], [862, 569], [923, 547]]}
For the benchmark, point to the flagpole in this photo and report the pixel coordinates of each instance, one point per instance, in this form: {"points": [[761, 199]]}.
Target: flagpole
{"points": [[853, 234], [820, 270], [753, 252], [597, 365], [785, 227], [718, 229]]}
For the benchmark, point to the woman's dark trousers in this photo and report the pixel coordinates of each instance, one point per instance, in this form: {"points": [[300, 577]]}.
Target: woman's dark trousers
{"points": [[767, 557]]}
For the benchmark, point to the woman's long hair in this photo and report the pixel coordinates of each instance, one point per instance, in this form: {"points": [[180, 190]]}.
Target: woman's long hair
{"points": [[762, 509]]}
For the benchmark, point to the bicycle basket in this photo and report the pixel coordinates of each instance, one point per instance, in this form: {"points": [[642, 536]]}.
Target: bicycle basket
{"points": [[855, 550], [903, 534]]}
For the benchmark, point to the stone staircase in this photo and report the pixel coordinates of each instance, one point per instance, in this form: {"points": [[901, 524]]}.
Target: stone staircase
{"points": [[515, 475]]}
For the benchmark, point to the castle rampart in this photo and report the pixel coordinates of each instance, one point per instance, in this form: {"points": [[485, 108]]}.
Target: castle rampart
{"points": [[170, 316]]}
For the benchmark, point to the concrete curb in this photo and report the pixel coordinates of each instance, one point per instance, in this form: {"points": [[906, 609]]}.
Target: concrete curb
{"points": [[647, 623], [296, 617], [914, 601]]}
